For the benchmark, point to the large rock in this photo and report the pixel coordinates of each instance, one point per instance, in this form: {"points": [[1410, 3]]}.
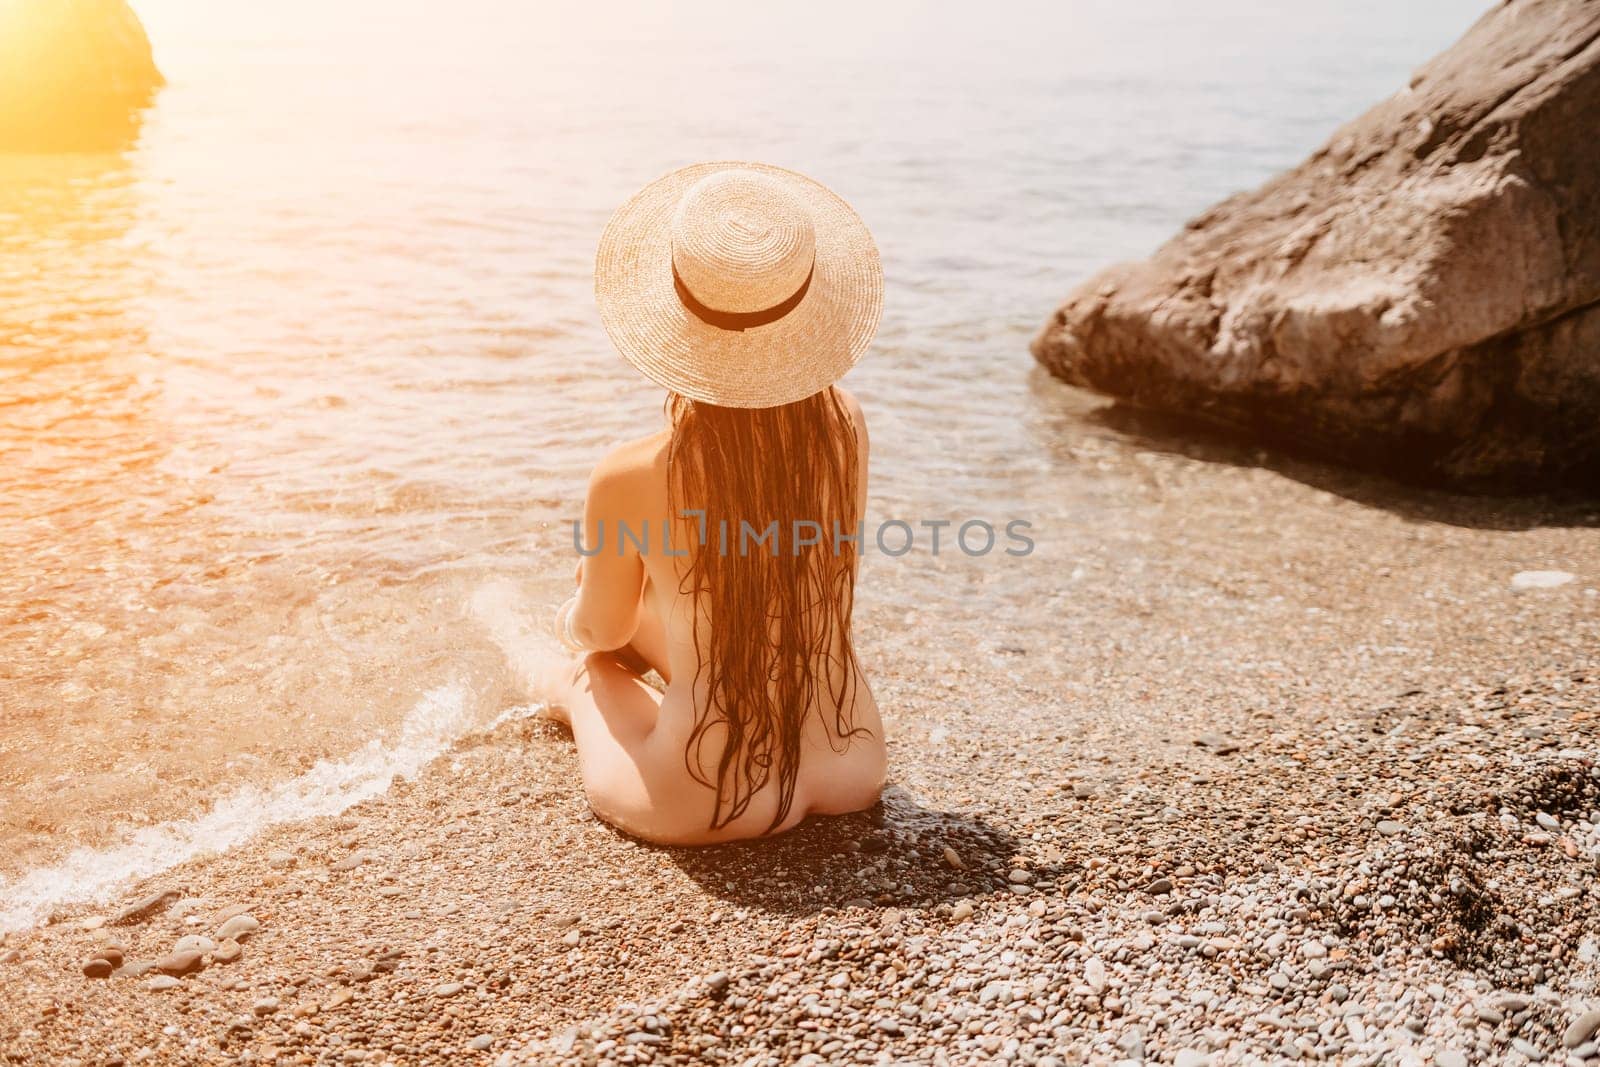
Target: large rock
{"points": [[74, 74], [1422, 295]]}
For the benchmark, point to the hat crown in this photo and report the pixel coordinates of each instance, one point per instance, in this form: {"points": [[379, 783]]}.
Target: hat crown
{"points": [[741, 242]]}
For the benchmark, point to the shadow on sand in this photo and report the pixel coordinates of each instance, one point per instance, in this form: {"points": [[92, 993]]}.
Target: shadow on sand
{"points": [[892, 855]]}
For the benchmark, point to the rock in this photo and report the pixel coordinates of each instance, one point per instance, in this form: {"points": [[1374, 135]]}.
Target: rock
{"points": [[1388, 827], [1522, 581], [1188, 1057], [89, 95], [147, 908], [448, 989], [482, 1043], [1421, 295], [339, 999], [1581, 1028], [97, 968], [194, 943], [265, 1006], [952, 860], [227, 952], [1449, 1057], [180, 963], [162, 982], [239, 928], [962, 911], [1159, 887]]}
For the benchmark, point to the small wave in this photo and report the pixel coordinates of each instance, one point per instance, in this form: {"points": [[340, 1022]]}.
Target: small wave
{"points": [[328, 788]]}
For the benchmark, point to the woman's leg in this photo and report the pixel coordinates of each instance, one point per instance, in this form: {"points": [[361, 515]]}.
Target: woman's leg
{"points": [[613, 715]]}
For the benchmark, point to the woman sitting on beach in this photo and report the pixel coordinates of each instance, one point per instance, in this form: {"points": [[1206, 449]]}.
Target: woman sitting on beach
{"points": [[721, 552]]}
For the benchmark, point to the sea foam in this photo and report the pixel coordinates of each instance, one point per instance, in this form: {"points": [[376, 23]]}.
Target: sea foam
{"points": [[328, 788]]}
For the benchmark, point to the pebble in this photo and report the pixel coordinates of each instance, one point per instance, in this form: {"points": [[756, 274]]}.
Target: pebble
{"points": [[180, 963], [194, 943], [265, 1006], [1450, 1057], [227, 952], [239, 928], [1525, 580], [1582, 1028], [97, 968], [146, 908], [953, 860], [962, 911], [1159, 887], [1094, 974], [1189, 1057], [1388, 827], [162, 982], [1221, 744], [1527, 1048], [482, 1043], [449, 989]]}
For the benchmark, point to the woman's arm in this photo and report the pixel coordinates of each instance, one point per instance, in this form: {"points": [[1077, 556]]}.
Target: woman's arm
{"points": [[610, 581]]}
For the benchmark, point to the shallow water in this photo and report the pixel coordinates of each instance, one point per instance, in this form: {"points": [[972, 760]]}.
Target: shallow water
{"points": [[285, 387]]}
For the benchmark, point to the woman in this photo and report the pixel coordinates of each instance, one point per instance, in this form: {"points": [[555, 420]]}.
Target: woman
{"points": [[746, 291]]}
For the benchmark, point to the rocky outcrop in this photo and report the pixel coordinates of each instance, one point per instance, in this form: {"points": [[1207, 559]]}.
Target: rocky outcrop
{"points": [[1421, 295], [74, 74]]}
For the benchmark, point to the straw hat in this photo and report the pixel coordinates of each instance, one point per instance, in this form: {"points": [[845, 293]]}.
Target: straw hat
{"points": [[739, 284]]}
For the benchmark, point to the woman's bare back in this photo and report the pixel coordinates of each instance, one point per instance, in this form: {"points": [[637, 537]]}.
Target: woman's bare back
{"points": [[634, 741]]}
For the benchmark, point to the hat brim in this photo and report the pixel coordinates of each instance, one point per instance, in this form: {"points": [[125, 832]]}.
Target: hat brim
{"points": [[789, 359]]}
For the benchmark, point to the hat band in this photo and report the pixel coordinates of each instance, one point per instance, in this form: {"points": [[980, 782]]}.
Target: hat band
{"points": [[739, 320]]}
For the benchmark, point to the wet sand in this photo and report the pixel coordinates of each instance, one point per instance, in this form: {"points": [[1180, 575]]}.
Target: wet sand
{"points": [[1275, 764]]}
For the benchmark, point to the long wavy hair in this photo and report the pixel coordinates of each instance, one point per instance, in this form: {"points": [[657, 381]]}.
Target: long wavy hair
{"points": [[771, 619]]}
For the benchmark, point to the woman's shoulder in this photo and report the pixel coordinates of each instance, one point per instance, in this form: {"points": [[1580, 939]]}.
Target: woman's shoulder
{"points": [[852, 408], [632, 468]]}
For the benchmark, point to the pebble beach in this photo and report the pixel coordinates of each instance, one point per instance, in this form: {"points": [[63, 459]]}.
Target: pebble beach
{"points": [[1328, 795], [1254, 760]]}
